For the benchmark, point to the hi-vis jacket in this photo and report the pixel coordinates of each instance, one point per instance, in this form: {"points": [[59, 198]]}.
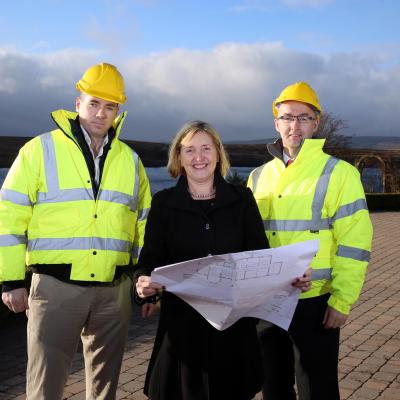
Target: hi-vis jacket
{"points": [[48, 213], [318, 197]]}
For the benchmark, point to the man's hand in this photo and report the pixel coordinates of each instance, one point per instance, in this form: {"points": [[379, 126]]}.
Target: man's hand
{"points": [[16, 300], [334, 318]]}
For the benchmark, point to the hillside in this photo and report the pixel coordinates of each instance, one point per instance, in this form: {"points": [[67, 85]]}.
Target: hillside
{"points": [[376, 142], [245, 154], [357, 142], [152, 154]]}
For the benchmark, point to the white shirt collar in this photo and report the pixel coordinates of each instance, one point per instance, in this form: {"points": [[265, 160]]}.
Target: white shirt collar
{"points": [[286, 158], [88, 140]]}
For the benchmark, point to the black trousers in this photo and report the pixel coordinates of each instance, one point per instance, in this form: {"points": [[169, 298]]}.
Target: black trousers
{"points": [[308, 351]]}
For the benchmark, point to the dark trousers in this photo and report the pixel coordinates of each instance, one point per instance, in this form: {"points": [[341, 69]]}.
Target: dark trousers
{"points": [[308, 350]]}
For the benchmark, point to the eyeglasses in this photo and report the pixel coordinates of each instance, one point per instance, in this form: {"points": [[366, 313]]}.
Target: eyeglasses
{"points": [[301, 119]]}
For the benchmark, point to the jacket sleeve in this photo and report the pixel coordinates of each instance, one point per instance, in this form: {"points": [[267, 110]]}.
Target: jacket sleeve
{"points": [[253, 178], [352, 235], [254, 228], [144, 201], [153, 253], [17, 197]]}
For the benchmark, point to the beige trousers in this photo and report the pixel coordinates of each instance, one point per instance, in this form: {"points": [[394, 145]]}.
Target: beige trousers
{"points": [[62, 313]]}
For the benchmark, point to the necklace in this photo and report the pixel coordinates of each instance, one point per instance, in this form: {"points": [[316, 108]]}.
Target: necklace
{"points": [[202, 196]]}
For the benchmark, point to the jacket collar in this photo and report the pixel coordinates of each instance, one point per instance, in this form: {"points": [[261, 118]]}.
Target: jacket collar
{"points": [[65, 121], [309, 149], [181, 199], [276, 149]]}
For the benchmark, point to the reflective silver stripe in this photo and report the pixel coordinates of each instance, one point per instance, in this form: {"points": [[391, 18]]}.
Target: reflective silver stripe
{"points": [[118, 197], [79, 243], [87, 194], [112, 244], [323, 273], [123, 198], [14, 197], [136, 183], [136, 252], [12, 240], [143, 214], [320, 193], [65, 195], [317, 223], [54, 194], [255, 175], [50, 163], [294, 225], [353, 252], [350, 209]]}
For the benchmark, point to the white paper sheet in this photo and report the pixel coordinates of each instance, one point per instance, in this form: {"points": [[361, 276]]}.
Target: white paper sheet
{"points": [[225, 288]]}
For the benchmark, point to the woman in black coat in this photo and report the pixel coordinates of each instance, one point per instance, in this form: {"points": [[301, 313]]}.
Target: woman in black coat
{"points": [[201, 215]]}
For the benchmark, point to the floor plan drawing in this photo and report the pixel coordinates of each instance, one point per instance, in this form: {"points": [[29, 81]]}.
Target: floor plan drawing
{"points": [[248, 266], [227, 287]]}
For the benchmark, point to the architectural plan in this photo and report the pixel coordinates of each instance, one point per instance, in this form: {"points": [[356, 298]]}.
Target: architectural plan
{"points": [[227, 287]]}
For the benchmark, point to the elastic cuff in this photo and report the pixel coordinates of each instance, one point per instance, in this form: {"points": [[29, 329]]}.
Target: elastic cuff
{"points": [[140, 301], [339, 305], [11, 285]]}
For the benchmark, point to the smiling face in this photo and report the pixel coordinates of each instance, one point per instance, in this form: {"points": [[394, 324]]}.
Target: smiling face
{"points": [[293, 133], [96, 115], [198, 157]]}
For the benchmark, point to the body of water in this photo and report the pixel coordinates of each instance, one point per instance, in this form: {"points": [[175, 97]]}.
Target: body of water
{"points": [[159, 177]]}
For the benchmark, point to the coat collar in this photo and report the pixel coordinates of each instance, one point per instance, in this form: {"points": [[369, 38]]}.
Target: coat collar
{"points": [[64, 120], [181, 199], [309, 148]]}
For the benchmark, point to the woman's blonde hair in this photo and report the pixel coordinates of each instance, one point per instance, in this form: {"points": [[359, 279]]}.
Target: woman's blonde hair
{"points": [[187, 132]]}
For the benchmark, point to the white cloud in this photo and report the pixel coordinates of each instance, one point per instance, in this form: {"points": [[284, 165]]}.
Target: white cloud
{"points": [[231, 85]]}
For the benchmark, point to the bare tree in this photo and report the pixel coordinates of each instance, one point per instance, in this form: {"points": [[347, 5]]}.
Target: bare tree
{"points": [[328, 129]]}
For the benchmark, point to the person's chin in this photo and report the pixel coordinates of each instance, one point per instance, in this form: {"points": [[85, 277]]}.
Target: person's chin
{"points": [[200, 174], [295, 141], [99, 130]]}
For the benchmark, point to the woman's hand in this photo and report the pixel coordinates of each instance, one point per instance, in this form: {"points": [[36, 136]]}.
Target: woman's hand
{"points": [[148, 309], [303, 283], [146, 288]]}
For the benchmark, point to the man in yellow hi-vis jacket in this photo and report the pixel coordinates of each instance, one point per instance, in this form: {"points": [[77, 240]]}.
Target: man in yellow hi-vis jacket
{"points": [[305, 194], [73, 208]]}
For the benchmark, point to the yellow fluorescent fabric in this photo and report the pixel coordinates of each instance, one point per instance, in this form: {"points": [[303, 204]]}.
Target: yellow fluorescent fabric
{"points": [[286, 195], [54, 208]]}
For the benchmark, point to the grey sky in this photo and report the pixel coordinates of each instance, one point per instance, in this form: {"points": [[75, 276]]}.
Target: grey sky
{"points": [[231, 85]]}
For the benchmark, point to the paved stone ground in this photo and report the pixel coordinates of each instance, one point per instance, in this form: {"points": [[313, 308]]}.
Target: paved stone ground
{"points": [[370, 349]]}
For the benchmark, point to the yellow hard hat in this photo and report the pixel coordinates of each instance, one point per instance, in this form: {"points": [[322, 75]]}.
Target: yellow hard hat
{"points": [[103, 81], [299, 91]]}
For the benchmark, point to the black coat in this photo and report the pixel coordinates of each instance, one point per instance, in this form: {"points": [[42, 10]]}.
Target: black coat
{"points": [[191, 360]]}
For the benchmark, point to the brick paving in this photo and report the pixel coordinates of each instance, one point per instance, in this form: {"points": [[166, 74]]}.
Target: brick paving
{"points": [[370, 343]]}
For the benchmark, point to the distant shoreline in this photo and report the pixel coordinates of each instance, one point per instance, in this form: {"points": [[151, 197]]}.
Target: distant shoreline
{"points": [[154, 154]]}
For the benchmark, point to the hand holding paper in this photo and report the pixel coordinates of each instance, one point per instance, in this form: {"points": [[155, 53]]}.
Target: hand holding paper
{"points": [[225, 288]]}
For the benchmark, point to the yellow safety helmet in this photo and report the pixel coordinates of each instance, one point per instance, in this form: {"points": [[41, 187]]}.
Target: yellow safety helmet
{"points": [[299, 91], [103, 81]]}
